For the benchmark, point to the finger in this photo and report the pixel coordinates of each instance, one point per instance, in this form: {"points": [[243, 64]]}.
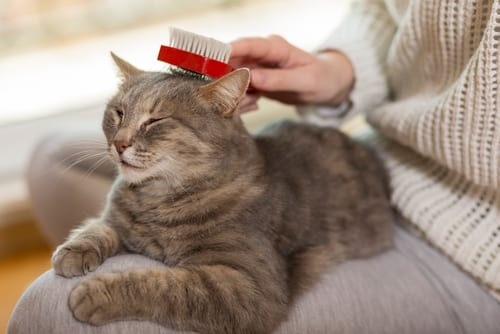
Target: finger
{"points": [[293, 80], [271, 50], [246, 47], [243, 62], [286, 97]]}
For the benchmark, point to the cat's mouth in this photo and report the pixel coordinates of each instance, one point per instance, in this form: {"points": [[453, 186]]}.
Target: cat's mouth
{"points": [[126, 164]]}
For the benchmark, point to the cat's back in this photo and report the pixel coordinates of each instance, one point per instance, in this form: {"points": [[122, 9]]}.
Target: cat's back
{"points": [[321, 164], [307, 146], [333, 188]]}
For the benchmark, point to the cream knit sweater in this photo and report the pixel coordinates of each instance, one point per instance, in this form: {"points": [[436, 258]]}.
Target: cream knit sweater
{"points": [[427, 77]]}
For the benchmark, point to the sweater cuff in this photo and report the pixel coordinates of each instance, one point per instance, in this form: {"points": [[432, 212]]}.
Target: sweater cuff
{"points": [[370, 87], [325, 116], [364, 37]]}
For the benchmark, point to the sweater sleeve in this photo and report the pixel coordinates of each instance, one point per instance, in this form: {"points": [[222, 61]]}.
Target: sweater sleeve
{"points": [[364, 36]]}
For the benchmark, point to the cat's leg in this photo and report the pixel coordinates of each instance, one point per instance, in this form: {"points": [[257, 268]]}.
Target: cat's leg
{"points": [[86, 248], [207, 298], [375, 232], [43, 307], [307, 266]]}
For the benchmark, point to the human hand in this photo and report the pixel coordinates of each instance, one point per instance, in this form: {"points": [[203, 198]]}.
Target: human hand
{"points": [[291, 75]]}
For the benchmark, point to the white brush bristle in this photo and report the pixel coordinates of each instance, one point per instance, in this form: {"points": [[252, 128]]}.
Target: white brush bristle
{"points": [[201, 45]]}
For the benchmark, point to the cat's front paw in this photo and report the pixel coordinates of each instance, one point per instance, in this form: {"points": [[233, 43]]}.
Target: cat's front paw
{"points": [[96, 300], [75, 259]]}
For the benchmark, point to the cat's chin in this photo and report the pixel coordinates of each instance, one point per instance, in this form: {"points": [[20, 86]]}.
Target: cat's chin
{"points": [[132, 174]]}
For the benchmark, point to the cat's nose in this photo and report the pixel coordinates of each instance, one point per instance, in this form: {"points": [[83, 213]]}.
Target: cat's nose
{"points": [[121, 145]]}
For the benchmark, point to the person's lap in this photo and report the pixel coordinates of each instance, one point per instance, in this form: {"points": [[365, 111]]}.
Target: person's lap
{"points": [[408, 289]]}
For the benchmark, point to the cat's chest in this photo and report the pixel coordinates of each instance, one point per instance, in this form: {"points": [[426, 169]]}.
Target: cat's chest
{"points": [[141, 229], [151, 241]]}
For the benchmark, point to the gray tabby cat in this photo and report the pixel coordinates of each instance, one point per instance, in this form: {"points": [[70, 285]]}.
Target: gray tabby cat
{"points": [[244, 224]]}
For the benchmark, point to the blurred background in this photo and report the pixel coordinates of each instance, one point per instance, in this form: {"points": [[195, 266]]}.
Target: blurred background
{"points": [[56, 75]]}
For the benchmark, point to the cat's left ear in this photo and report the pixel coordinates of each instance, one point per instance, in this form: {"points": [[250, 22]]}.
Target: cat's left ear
{"points": [[126, 69], [227, 92]]}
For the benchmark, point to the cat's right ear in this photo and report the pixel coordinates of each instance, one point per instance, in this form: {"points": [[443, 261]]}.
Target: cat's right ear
{"points": [[126, 69], [227, 92]]}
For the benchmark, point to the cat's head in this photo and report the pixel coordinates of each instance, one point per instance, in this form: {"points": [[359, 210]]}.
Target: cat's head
{"points": [[173, 125]]}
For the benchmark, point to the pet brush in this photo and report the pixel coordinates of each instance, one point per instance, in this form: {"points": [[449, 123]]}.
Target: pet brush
{"points": [[196, 53]]}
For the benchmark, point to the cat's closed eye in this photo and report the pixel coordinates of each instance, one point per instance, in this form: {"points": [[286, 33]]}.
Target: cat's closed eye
{"points": [[119, 113], [152, 121]]}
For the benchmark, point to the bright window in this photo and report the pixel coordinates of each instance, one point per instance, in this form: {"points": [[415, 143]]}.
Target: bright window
{"points": [[54, 54]]}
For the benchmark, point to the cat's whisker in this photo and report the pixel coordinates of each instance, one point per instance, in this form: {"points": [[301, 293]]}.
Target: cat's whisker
{"points": [[139, 155], [93, 140], [84, 158], [78, 154], [95, 166], [88, 144], [144, 154]]}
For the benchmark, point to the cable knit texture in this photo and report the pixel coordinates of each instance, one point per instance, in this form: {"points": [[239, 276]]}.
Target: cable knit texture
{"points": [[427, 77]]}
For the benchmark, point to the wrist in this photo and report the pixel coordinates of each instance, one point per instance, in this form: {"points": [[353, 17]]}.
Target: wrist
{"points": [[339, 72]]}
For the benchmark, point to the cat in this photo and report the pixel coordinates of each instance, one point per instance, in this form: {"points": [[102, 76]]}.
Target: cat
{"points": [[245, 224]]}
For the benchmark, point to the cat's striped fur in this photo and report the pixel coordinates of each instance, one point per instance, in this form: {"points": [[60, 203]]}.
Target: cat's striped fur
{"points": [[244, 224]]}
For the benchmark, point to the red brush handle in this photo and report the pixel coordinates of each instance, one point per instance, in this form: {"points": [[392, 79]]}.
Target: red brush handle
{"points": [[193, 62]]}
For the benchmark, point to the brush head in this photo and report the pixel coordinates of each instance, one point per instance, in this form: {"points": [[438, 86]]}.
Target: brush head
{"points": [[200, 45], [196, 53]]}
